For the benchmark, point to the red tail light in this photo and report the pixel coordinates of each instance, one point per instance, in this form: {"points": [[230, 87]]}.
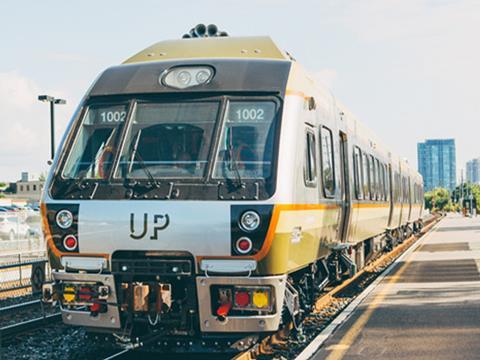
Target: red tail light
{"points": [[242, 298], [70, 242], [244, 245]]}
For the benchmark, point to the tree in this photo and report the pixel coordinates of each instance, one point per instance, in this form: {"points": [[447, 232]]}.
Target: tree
{"points": [[466, 189], [2, 184], [438, 199]]}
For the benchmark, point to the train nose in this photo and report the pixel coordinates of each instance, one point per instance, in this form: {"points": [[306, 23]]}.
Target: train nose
{"points": [[200, 228]]}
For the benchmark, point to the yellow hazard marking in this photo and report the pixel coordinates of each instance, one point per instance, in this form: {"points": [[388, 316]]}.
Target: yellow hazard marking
{"points": [[69, 293], [339, 350]]}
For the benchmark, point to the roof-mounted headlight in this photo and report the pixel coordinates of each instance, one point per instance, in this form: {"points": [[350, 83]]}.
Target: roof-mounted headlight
{"points": [[187, 76]]}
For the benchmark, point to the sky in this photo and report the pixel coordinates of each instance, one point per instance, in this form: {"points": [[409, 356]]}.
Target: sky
{"points": [[409, 69]]}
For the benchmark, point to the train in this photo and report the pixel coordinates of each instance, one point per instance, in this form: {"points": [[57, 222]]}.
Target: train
{"points": [[208, 187]]}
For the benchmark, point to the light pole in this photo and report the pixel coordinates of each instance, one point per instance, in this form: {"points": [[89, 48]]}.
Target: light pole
{"points": [[52, 101]]}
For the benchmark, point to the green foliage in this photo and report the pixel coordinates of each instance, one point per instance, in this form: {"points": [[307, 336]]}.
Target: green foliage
{"points": [[465, 190], [438, 199], [2, 184]]}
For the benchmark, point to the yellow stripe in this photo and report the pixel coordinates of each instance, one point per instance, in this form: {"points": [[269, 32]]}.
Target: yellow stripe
{"points": [[339, 351], [370, 205]]}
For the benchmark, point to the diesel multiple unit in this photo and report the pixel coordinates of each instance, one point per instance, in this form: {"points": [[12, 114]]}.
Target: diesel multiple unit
{"points": [[208, 186]]}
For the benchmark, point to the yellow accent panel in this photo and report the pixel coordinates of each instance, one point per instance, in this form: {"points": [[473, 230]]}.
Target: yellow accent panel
{"points": [[256, 47], [369, 219], [300, 237]]}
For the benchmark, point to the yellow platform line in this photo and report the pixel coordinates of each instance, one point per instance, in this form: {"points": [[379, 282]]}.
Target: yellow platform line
{"points": [[339, 350]]}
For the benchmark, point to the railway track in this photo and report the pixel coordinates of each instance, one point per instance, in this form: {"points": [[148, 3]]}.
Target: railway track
{"points": [[13, 312], [9, 332], [289, 342]]}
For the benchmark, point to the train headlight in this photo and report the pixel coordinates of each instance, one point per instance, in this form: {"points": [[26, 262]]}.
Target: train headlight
{"points": [[64, 219], [250, 220], [184, 78], [187, 76]]}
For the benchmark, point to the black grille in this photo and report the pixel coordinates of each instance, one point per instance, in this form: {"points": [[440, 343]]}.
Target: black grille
{"points": [[151, 266]]}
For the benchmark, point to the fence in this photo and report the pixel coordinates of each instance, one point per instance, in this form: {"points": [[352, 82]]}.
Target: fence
{"points": [[23, 262], [23, 273]]}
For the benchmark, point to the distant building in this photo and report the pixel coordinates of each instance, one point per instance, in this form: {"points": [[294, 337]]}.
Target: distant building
{"points": [[29, 187], [473, 171], [437, 163]]}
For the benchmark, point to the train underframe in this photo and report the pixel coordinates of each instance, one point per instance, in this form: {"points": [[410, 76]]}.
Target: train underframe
{"points": [[160, 299]]}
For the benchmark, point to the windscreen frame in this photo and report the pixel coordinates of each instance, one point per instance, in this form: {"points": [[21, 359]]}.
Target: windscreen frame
{"points": [[133, 100]]}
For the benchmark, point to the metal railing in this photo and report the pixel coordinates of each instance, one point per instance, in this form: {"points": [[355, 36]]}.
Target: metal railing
{"points": [[23, 273]]}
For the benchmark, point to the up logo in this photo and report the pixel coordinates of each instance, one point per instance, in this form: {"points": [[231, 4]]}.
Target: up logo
{"points": [[160, 223]]}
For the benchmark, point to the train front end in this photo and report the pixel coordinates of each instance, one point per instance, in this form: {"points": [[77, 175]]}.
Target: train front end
{"points": [[159, 207]]}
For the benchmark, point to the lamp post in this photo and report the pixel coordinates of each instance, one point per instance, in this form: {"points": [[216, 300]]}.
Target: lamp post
{"points": [[53, 101]]}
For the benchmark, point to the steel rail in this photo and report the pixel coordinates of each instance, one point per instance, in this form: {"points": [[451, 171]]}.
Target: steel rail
{"points": [[10, 331], [14, 307]]}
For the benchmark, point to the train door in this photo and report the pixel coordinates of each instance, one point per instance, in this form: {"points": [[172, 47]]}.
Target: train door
{"points": [[344, 187]]}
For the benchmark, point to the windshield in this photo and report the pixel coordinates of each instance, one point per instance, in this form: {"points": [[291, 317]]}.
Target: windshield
{"points": [[246, 145], [92, 155], [175, 140], [168, 140]]}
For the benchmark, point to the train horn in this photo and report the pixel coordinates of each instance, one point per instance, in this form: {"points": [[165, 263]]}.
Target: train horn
{"points": [[212, 30], [200, 30]]}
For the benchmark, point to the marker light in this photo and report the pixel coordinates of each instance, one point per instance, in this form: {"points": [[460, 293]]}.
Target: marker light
{"points": [[250, 220], [260, 299], [244, 245], [242, 298], [64, 219], [187, 76], [70, 242]]}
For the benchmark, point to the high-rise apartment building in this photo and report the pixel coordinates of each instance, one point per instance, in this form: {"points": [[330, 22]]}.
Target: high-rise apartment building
{"points": [[473, 171], [437, 163]]}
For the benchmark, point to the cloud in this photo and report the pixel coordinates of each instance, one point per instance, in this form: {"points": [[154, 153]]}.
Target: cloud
{"points": [[25, 126]]}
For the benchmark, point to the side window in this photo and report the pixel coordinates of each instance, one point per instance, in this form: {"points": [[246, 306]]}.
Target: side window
{"points": [[373, 180], [357, 171], [381, 171], [386, 176], [328, 169], [381, 194], [409, 189], [365, 172], [310, 160]]}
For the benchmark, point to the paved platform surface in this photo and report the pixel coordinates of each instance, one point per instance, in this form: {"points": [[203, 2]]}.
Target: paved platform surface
{"points": [[428, 307]]}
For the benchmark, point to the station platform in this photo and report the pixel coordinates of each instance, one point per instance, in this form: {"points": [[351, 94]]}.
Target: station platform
{"points": [[426, 307]]}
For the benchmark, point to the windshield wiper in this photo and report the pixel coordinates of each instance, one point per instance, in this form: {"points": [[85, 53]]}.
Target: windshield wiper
{"points": [[233, 166], [136, 154]]}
